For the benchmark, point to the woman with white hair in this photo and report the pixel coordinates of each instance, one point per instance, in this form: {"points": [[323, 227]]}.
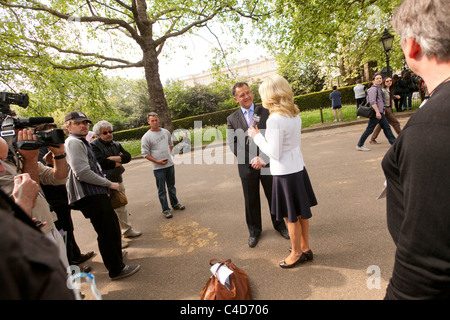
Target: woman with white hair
{"points": [[292, 193], [417, 166]]}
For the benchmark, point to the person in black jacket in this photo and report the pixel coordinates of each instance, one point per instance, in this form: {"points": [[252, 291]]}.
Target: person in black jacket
{"points": [[417, 166], [111, 156], [399, 88], [252, 163], [411, 87]]}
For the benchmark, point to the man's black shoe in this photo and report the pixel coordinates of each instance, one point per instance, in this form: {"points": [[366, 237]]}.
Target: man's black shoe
{"points": [[83, 258], [253, 241], [284, 233]]}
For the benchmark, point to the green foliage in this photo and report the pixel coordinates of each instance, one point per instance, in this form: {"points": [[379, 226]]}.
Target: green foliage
{"points": [[339, 35], [317, 100], [39, 37], [130, 100], [303, 77], [188, 101], [28, 66]]}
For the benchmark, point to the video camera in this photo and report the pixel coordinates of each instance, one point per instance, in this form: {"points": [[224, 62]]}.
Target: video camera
{"points": [[52, 137]]}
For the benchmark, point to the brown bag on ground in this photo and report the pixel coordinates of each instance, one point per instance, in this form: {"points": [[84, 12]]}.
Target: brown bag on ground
{"points": [[240, 286]]}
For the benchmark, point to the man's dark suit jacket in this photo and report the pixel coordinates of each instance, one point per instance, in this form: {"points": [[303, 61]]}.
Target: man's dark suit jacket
{"points": [[243, 146]]}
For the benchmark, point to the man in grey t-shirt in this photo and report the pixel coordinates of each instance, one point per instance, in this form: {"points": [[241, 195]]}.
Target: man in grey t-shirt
{"points": [[157, 146]]}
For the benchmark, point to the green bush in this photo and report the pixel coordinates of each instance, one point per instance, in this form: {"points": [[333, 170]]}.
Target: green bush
{"points": [[317, 100]]}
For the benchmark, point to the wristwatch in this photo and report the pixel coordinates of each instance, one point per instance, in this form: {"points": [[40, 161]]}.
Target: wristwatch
{"points": [[62, 156]]}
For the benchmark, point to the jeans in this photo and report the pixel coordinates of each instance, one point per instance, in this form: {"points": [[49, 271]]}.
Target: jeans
{"points": [[407, 103], [371, 126], [166, 176]]}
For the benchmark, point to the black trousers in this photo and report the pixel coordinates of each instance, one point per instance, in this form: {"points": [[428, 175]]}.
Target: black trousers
{"points": [[65, 223], [252, 199], [98, 209]]}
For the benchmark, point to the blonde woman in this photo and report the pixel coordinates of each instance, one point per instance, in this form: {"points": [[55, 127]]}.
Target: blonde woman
{"points": [[292, 193]]}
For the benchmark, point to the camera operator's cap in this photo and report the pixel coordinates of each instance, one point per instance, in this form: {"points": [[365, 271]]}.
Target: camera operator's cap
{"points": [[76, 116]]}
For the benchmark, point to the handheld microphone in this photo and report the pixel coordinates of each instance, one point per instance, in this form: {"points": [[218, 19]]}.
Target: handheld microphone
{"points": [[256, 118]]}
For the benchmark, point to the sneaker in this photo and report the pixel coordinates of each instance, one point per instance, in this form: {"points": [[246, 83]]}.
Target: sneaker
{"points": [[179, 207], [126, 272], [362, 148], [167, 214], [124, 244], [131, 233]]}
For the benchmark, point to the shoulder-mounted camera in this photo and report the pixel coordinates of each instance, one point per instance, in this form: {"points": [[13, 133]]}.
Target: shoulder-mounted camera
{"points": [[9, 124]]}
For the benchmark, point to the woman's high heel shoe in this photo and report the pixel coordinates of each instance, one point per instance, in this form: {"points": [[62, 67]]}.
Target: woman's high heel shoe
{"points": [[309, 254], [300, 260]]}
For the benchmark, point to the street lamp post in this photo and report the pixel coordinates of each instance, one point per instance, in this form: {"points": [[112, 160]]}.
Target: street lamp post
{"points": [[386, 41]]}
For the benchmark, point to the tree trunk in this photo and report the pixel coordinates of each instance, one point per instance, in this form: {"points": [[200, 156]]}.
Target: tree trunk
{"points": [[158, 101]]}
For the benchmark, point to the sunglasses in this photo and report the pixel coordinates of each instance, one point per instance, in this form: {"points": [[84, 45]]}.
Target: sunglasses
{"points": [[106, 132]]}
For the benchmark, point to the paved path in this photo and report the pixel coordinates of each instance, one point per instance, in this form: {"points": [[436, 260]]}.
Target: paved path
{"points": [[348, 232]]}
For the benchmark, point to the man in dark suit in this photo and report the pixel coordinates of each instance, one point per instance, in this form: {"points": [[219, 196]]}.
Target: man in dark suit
{"points": [[253, 165]]}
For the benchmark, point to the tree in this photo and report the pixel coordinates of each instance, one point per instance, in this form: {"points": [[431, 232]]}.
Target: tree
{"points": [[130, 101], [51, 29], [333, 34], [303, 77]]}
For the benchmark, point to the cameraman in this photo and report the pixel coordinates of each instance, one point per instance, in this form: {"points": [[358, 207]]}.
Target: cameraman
{"points": [[40, 174]]}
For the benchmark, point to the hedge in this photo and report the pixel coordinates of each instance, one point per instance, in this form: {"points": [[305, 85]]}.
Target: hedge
{"points": [[317, 100], [306, 102], [208, 119]]}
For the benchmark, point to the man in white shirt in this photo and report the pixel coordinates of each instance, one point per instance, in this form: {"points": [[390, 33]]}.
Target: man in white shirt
{"points": [[360, 93], [157, 146]]}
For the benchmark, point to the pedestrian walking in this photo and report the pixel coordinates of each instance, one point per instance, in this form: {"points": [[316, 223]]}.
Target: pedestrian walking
{"points": [[335, 97], [360, 93], [375, 98], [388, 101]]}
